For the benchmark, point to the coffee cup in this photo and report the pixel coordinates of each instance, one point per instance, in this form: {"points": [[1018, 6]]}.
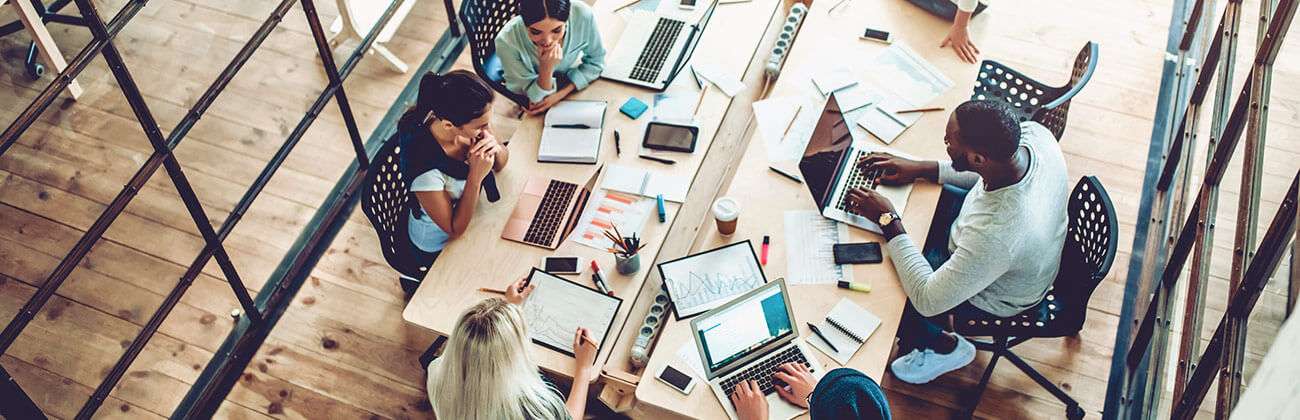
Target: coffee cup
{"points": [[726, 211]]}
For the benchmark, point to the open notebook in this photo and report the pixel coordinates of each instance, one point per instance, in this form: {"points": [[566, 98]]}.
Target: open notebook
{"points": [[847, 326], [572, 132]]}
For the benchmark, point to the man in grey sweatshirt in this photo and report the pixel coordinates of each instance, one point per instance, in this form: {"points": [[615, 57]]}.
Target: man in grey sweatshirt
{"points": [[1003, 248]]}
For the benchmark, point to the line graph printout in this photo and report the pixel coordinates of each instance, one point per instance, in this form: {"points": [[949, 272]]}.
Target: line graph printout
{"points": [[700, 282], [557, 307]]}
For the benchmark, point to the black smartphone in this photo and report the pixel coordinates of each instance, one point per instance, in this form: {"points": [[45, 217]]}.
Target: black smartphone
{"points": [[562, 265], [877, 35], [857, 253]]}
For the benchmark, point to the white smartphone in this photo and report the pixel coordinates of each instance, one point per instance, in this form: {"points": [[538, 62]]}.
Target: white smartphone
{"points": [[562, 265], [676, 379], [686, 4], [877, 35]]}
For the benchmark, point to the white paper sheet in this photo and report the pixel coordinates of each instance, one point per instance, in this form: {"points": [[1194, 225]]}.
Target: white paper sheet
{"points": [[557, 307], [808, 239], [646, 183], [728, 83], [773, 115], [606, 209], [691, 357]]}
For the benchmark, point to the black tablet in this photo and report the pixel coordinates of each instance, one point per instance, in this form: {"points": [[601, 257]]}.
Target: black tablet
{"points": [[661, 135]]}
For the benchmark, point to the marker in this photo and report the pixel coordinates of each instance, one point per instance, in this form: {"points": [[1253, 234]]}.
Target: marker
{"points": [[766, 241], [861, 287], [657, 159], [599, 279], [617, 149], [818, 331], [663, 215], [785, 174]]}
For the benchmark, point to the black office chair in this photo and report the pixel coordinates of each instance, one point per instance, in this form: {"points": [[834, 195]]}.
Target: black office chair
{"points": [[1035, 100], [384, 201], [483, 20], [1089, 250]]}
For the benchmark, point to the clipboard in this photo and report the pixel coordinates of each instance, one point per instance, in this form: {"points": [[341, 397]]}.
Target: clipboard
{"points": [[705, 280], [558, 306]]}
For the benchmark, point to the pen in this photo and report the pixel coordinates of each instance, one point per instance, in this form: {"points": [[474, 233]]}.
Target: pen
{"points": [[657, 159], [818, 331], [767, 240], [600, 280], [905, 111], [785, 174], [791, 124], [570, 126], [617, 149], [663, 216], [497, 291], [861, 287], [703, 93], [698, 83]]}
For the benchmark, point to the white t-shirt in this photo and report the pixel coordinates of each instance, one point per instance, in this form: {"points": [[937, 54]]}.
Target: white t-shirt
{"points": [[426, 234]]}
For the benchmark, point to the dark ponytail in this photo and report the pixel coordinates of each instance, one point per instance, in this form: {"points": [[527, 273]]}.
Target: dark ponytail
{"points": [[458, 96], [534, 11]]}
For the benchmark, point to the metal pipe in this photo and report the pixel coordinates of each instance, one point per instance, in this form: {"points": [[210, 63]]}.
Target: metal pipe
{"points": [[332, 72]]}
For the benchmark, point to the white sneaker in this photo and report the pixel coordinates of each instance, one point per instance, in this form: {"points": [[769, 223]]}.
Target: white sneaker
{"points": [[922, 366]]}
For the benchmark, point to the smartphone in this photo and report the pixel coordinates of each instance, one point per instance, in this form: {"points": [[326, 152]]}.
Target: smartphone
{"points": [[877, 35], [686, 4], [562, 265], [677, 379]]}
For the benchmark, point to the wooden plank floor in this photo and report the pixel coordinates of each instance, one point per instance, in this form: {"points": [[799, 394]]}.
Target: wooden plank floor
{"points": [[342, 349]]}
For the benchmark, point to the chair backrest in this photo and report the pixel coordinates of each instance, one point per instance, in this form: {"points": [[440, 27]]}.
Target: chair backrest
{"points": [[483, 20], [384, 202], [1030, 98]]}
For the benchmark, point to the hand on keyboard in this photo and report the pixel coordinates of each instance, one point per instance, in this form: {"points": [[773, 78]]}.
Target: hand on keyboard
{"points": [[749, 401], [796, 383]]}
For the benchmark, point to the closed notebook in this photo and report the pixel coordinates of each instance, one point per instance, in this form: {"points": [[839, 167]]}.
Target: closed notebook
{"points": [[572, 133], [847, 326]]}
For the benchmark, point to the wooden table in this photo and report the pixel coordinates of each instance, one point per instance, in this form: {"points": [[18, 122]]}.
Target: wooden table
{"points": [[481, 258], [765, 196]]}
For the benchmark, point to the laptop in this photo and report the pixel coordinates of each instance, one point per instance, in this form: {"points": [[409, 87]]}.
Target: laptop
{"points": [[829, 168], [654, 48], [547, 211], [748, 338]]}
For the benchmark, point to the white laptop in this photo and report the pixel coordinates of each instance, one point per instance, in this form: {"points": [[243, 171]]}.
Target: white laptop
{"points": [[654, 48], [829, 167], [748, 338]]}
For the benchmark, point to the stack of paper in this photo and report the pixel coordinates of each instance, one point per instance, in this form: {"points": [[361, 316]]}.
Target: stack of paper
{"points": [[642, 182], [572, 133], [809, 238]]}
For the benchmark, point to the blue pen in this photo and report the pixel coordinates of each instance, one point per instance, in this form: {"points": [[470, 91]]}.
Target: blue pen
{"points": [[663, 215]]}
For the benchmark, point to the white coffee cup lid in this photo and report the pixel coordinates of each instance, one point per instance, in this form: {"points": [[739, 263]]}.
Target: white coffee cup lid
{"points": [[726, 209]]}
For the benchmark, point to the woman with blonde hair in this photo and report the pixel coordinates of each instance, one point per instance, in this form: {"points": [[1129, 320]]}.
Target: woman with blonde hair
{"points": [[487, 370]]}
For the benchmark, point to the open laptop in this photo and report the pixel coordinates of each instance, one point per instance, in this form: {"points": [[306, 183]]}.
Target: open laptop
{"points": [[654, 48], [547, 211], [748, 338], [829, 168]]}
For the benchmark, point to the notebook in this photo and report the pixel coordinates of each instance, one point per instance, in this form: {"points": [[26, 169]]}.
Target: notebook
{"points": [[642, 182], [572, 132], [847, 326]]}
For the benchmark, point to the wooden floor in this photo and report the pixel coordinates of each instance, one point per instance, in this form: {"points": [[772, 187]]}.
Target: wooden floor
{"points": [[342, 349]]}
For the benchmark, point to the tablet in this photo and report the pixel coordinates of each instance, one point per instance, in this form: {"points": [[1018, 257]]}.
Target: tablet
{"points": [[700, 282], [661, 135], [558, 306]]}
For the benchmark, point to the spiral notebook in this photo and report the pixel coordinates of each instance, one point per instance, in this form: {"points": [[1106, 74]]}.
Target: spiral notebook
{"points": [[847, 326]]}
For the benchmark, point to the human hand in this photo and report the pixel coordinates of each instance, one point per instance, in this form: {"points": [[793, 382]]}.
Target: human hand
{"points": [[486, 143], [516, 293], [799, 383], [479, 165], [584, 355], [895, 170], [869, 203], [749, 401], [960, 41], [548, 58], [546, 103]]}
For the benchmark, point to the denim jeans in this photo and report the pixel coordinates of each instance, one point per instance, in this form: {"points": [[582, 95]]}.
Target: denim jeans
{"points": [[945, 9]]}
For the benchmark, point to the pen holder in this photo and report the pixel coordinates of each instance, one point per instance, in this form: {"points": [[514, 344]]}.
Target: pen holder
{"points": [[627, 265]]}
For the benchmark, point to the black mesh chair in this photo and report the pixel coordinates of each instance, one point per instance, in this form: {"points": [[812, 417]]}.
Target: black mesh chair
{"points": [[384, 201], [1089, 250], [483, 20], [1034, 100]]}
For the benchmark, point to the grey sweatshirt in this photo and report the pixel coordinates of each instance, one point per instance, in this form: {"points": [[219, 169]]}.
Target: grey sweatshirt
{"points": [[1005, 244]]}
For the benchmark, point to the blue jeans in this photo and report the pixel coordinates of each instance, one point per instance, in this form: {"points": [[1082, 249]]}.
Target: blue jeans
{"points": [[848, 394], [945, 9]]}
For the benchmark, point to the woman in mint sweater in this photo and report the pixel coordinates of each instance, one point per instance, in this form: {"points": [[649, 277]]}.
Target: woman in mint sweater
{"points": [[551, 49]]}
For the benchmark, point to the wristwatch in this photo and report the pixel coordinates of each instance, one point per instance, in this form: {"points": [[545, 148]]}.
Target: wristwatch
{"points": [[887, 218]]}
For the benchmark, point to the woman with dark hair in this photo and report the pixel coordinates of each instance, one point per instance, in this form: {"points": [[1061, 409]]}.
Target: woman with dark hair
{"points": [[551, 49], [448, 152]]}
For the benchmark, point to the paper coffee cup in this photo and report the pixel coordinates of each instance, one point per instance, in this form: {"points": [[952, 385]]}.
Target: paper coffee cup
{"points": [[727, 212]]}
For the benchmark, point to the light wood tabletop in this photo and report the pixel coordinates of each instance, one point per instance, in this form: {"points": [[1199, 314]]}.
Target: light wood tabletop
{"points": [[481, 258], [826, 39]]}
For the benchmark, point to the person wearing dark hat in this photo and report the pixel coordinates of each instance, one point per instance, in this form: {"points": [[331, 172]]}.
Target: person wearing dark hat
{"points": [[842, 393]]}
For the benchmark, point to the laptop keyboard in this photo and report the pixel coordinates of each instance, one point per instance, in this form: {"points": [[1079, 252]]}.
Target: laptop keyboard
{"points": [[762, 372], [656, 50], [857, 178], [550, 213]]}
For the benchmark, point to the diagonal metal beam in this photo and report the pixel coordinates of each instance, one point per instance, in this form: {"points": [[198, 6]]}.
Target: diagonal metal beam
{"points": [[332, 72]]}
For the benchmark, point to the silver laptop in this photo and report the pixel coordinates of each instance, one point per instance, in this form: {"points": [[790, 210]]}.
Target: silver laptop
{"points": [[748, 338], [654, 48], [830, 169]]}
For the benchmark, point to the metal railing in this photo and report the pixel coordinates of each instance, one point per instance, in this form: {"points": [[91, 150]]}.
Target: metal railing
{"points": [[16, 404], [1138, 373]]}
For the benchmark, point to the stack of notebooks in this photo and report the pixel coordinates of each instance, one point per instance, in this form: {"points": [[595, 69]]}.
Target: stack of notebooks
{"points": [[572, 132], [847, 326]]}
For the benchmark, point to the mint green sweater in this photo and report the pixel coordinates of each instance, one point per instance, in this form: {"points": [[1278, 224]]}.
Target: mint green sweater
{"points": [[584, 56]]}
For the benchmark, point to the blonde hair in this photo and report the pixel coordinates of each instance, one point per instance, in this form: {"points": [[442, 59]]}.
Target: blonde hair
{"points": [[488, 372]]}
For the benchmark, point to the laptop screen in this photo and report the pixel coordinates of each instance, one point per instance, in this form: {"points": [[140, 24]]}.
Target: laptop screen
{"points": [[734, 332], [829, 142]]}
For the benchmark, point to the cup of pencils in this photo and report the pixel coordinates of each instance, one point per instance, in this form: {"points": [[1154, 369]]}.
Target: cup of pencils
{"points": [[626, 250]]}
